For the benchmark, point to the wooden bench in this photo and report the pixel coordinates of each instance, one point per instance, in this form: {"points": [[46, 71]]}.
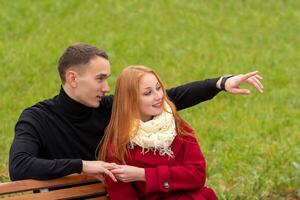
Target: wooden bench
{"points": [[69, 187]]}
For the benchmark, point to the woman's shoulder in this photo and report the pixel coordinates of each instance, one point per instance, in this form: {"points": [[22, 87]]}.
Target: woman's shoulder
{"points": [[187, 139], [190, 135]]}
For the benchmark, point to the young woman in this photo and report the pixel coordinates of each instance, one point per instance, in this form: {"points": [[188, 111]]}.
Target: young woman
{"points": [[158, 150]]}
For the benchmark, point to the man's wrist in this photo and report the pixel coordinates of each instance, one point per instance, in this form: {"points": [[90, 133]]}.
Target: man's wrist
{"points": [[218, 83], [82, 165], [223, 81]]}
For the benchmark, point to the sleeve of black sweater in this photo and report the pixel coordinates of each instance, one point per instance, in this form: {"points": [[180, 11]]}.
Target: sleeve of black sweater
{"points": [[24, 161], [192, 93]]}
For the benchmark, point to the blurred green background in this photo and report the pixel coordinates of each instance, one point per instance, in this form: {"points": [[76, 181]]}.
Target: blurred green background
{"points": [[251, 143]]}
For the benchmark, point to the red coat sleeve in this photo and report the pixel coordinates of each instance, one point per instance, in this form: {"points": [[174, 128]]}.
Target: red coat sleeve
{"points": [[191, 174], [119, 190]]}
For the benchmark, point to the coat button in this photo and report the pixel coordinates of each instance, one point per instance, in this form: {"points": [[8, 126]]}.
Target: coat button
{"points": [[166, 185]]}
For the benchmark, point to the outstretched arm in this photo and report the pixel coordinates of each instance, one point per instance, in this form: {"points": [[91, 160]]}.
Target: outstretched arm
{"points": [[192, 93]]}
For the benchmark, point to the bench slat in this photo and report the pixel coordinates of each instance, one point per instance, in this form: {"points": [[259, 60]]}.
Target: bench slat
{"points": [[26, 185], [68, 193], [99, 198]]}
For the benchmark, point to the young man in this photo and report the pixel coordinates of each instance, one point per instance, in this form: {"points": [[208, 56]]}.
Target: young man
{"points": [[59, 136]]}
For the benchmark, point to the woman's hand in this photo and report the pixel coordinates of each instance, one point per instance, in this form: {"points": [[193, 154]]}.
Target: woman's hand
{"points": [[98, 169], [127, 173]]}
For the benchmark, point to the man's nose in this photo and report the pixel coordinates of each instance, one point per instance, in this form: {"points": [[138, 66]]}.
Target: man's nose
{"points": [[105, 87]]}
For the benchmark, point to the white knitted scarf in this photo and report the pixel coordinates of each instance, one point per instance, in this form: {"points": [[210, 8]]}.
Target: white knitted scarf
{"points": [[156, 134]]}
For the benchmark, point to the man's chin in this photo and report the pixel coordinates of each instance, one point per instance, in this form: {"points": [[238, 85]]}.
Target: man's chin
{"points": [[93, 105], [96, 105]]}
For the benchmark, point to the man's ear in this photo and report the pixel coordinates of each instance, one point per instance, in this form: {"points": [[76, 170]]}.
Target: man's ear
{"points": [[71, 78]]}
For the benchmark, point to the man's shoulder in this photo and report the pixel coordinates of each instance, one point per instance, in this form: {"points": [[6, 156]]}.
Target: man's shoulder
{"points": [[39, 109]]}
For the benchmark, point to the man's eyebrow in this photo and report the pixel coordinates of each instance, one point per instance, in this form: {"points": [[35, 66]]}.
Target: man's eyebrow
{"points": [[103, 75]]}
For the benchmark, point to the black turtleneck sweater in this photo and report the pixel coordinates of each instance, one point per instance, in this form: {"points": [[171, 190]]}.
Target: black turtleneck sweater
{"points": [[53, 136]]}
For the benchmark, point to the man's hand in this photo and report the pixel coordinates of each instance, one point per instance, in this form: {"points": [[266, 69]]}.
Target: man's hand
{"points": [[127, 173], [232, 85], [98, 169]]}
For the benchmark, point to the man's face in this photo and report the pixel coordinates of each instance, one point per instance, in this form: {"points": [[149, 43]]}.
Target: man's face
{"points": [[92, 82]]}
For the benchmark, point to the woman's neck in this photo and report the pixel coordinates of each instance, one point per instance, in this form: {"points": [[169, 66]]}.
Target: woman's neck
{"points": [[146, 118]]}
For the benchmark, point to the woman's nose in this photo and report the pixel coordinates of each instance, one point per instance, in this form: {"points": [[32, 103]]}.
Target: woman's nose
{"points": [[158, 95]]}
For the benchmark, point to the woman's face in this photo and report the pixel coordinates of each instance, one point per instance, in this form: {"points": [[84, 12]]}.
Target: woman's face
{"points": [[150, 97]]}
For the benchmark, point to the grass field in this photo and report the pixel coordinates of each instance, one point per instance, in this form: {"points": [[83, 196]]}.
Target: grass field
{"points": [[251, 143]]}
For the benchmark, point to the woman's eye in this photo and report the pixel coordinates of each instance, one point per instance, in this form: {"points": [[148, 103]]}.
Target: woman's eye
{"points": [[147, 93]]}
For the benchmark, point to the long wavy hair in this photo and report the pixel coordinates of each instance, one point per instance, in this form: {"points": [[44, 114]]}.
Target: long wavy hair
{"points": [[124, 121]]}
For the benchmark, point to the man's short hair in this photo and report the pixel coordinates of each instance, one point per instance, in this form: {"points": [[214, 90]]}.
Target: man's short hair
{"points": [[77, 55]]}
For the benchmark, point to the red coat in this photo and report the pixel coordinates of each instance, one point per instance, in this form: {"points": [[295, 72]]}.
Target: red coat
{"points": [[182, 177]]}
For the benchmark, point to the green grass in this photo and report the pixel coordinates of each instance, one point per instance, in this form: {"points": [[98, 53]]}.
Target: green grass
{"points": [[251, 143]]}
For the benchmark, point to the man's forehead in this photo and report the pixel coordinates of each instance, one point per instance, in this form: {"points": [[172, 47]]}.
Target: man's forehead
{"points": [[104, 71], [100, 66]]}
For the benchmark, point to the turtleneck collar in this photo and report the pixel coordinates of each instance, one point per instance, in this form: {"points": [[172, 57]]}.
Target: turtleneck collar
{"points": [[71, 107]]}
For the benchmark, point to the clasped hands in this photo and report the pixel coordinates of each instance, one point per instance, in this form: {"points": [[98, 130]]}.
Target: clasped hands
{"points": [[124, 173]]}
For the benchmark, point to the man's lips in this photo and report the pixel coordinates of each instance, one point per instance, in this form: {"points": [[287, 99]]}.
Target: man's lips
{"points": [[99, 97]]}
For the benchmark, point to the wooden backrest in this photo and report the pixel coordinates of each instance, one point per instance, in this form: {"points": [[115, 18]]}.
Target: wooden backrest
{"points": [[68, 187]]}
